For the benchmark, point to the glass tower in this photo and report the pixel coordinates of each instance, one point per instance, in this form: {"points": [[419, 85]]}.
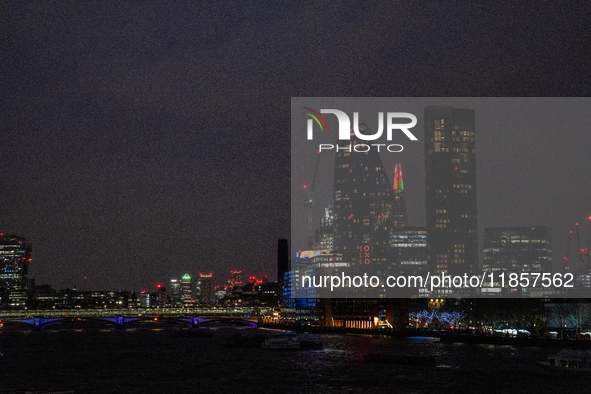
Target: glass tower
{"points": [[450, 166], [362, 208], [15, 256]]}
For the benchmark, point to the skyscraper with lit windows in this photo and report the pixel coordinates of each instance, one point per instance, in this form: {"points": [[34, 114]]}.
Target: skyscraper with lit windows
{"points": [[186, 289], [362, 208], [15, 256], [450, 184], [206, 292]]}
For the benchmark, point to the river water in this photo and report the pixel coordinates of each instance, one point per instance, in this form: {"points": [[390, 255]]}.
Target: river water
{"points": [[148, 360]]}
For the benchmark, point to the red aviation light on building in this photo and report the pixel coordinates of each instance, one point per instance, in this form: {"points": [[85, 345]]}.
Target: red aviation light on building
{"points": [[159, 286], [305, 186]]}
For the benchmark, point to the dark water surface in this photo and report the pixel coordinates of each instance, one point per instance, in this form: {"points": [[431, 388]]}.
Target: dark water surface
{"points": [[149, 360]]}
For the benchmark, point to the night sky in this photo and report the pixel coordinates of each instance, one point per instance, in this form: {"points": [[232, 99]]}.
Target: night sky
{"points": [[143, 140]]}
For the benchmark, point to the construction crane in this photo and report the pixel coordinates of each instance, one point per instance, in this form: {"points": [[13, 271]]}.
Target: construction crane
{"points": [[580, 250], [587, 252], [310, 203], [565, 258], [583, 252]]}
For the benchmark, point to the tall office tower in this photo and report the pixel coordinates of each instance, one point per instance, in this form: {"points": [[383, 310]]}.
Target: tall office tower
{"points": [[282, 259], [206, 294], [235, 279], [161, 296], [175, 291], [398, 204], [450, 168], [186, 289], [15, 256], [325, 233], [362, 208]]}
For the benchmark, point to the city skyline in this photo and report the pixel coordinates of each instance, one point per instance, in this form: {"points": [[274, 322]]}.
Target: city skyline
{"points": [[531, 186], [143, 140]]}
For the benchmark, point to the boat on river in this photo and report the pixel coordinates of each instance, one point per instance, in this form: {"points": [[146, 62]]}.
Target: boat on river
{"points": [[566, 359], [281, 342]]}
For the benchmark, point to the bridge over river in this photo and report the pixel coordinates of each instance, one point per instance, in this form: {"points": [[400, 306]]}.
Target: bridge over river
{"points": [[190, 317]]}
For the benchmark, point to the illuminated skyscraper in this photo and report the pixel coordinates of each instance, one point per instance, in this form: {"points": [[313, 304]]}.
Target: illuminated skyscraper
{"points": [[15, 256], [362, 208], [206, 293], [450, 166], [235, 279], [186, 289], [325, 233], [175, 291]]}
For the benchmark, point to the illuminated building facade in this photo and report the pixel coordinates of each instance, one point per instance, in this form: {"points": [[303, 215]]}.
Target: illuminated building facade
{"points": [[362, 209], [409, 254], [290, 280], [186, 289], [450, 183], [15, 257], [517, 249], [325, 233], [206, 290], [235, 279], [409, 251], [314, 264], [175, 291], [317, 263]]}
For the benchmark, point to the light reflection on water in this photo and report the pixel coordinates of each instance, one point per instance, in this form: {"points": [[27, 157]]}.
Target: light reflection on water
{"points": [[148, 359]]}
